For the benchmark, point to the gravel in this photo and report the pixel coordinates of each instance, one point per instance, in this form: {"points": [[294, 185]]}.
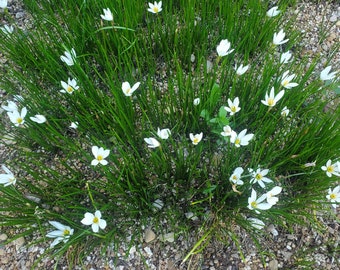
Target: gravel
{"points": [[302, 248]]}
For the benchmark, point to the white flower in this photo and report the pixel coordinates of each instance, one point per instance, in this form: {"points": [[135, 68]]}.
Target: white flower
{"points": [[17, 118], [223, 48], [241, 69], [236, 176], [325, 75], [285, 57], [274, 11], [11, 106], [258, 176], [286, 80], [163, 133], [285, 111], [69, 57], [100, 154], [197, 101], [152, 142], [334, 196], [38, 118], [257, 223], [7, 29], [278, 38], [61, 235], [271, 199], [254, 203], [8, 178], [196, 138], [70, 86], [3, 3], [227, 131], [95, 221], [127, 90], [271, 100], [241, 139], [331, 169], [155, 7], [158, 204], [74, 125], [233, 106], [107, 15]]}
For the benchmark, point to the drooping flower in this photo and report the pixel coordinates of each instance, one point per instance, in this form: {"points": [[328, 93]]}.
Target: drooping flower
{"points": [[38, 118], [95, 220], [256, 223], [74, 125], [155, 7], [11, 106], [334, 196], [326, 75], [8, 178], [285, 57], [3, 3], [240, 70], [241, 139], [152, 142], [127, 90], [7, 29], [285, 111], [278, 38], [163, 133], [233, 106], [62, 234], [286, 80], [236, 176], [258, 176], [271, 100], [69, 57], [107, 15], [332, 169], [197, 101], [274, 11], [223, 48], [227, 131], [99, 155], [70, 86], [196, 138], [271, 199], [255, 203], [17, 118]]}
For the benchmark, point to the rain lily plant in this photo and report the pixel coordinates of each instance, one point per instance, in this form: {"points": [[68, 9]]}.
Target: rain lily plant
{"points": [[331, 169], [155, 7], [274, 11], [152, 142], [286, 80], [236, 176], [256, 204], [326, 75], [128, 90], [3, 3], [278, 38], [62, 234], [240, 70], [196, 138], [70, 86], [241, 139], [163, 133], [271, 99], [8, 178], [69, 57], [107, 15], [16, 117], [94, 220], [223, 48], [258, 176], [99, 156], [233, 106], [334, 196], [38, 118]]}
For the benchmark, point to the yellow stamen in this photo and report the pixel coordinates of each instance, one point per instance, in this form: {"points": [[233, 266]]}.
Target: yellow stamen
{"points": [[99, 158], [330, 169], [270, 101], [155, 9], [233, 108], [69, 89], [258, 176], [254, 204], [95, 220], [237, 141], [19, 120], [196, 140], [66, 232], [332, 196]]}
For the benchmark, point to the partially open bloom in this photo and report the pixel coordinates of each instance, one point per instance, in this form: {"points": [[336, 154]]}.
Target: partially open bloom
{"points": [[236, 176], [233, 106], [163, 133], [3, 3], [240, 70], [62, 234], [271, 99], [69, 57], [274, 11], [223, 48], [255, 203], [332, 169], [258, 176], [100, 154], [241, 139], [285, 57], [107, 15], [271, 199], [197, 101], [95, 220], [38, 119], [196, 138], [17, 118], [11, 106], [127, 90], [286, 80], [227, 131], [7, 29], [8, 178], [74, 125], [155, 7], [285, 111], [278, 38], [257, 223], [326, 75], [334, 196], [152, 142], [70, 86]]}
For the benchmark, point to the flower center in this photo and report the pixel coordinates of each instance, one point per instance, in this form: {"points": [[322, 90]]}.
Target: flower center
{"points": [[254, 204], [258, 176], [155, 9], [195, 140], [12, 179], [69, 89], [237, 141], [234, 177], [95, 220], [332, 196], [271, 102], [285, 82], [99, 157], [19, 120], [128, 91], [330, 169], [233, 108], [66, 232]]}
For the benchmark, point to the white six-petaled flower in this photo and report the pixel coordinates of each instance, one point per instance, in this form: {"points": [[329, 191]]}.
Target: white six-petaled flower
{"points": [[326, 75], [274, 11], [241, 139], [331, 169], [107, 15], [11, 106], [155, 7], [223, 48], [38, 118], [236, 176], [8, 178], [3, 3], [271, 99], [70, 86], [128, 90], [95, 220], [227, 131], [197, 101], [233, 106], [286, 80], [271, 199], [69, 57], [278, 38], [285, 57], [258, 176], [240, 70], [334, 196], [152, 142], [285, 111], [17, 118], [196, 138], [62, 234], [99, 155], [163, 133], [256, 223], [255, 203]]}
